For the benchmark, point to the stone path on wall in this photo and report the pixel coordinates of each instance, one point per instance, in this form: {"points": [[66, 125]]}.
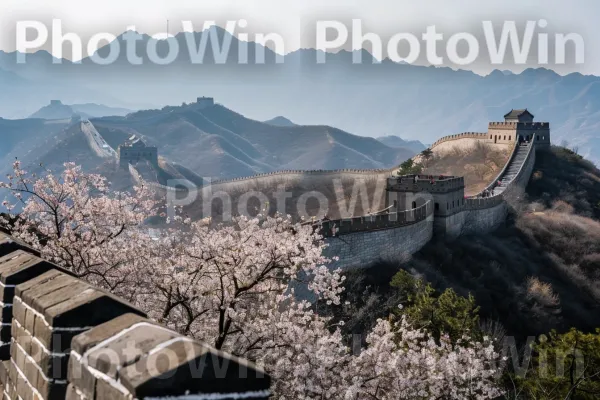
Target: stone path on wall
{"points": [[513, 168]]}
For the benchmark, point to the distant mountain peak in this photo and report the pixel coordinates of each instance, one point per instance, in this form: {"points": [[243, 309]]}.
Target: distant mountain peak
{"points": [[280, 121], [55, 110]]}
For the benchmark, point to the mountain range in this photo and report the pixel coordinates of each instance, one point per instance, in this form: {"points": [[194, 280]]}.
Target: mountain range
{"points": [[369, 99], [218, 142], [396, 142], [194, 141]]}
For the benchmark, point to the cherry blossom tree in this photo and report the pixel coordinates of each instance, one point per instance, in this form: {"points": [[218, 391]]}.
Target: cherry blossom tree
{"points": [[247, 287], [75, 221]]}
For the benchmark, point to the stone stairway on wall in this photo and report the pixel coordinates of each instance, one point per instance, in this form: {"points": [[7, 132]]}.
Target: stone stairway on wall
{"points": [[513, 168], [62, 338]]}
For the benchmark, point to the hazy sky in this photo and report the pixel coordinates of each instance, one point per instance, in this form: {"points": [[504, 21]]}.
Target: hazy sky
{"points": [[294, 19]]}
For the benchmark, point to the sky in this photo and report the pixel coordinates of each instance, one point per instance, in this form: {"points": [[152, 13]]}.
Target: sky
{"points": [[294, 20]]}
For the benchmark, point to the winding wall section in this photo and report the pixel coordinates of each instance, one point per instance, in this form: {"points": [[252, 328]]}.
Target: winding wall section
{"points": [[360, 242]]}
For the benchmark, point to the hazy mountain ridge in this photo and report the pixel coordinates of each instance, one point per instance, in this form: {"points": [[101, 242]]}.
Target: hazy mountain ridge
{"points": [[218, 142], [416, 103], [397, 141]]}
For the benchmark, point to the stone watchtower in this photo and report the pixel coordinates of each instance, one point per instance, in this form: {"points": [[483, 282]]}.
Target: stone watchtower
{"points": [[135, 150], [519, 126], [205, 102], [447, 193]]}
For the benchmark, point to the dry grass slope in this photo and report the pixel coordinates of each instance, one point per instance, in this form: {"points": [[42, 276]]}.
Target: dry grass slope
{"points": [[479, 164]]}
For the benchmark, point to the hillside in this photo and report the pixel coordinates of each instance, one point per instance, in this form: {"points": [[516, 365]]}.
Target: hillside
{"points": [[479, 163], [56, 110], [539, 272], [220, 143], [47, 145], [20, 137]]}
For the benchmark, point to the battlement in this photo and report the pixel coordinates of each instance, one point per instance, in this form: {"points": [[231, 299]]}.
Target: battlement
{"points": [[425, 183], [344, 226], [204, 102], [508, 125], [518, 125], [464, 135], [135, 150]]}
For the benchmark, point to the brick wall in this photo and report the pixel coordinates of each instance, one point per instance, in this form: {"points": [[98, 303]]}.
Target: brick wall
{"points": [[362, 249]]}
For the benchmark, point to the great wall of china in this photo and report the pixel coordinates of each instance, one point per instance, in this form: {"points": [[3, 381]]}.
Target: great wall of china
{"points": [[418, 211], [417, 208]]}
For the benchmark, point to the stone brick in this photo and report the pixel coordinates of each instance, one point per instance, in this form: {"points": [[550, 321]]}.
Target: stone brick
{"points": [[149, 360], [15, 268], [106, 391], [83, 342], [45, 277], [21, 336], [81, 377], [4, 365], [50, 286], [72, 393], [66, 306], [19, 311], [18, 267]]}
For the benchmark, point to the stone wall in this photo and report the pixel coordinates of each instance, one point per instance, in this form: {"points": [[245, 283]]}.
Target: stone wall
{"points": [[362, 249], [69, 340], [464, 135], [516, 189], [486, 220]]}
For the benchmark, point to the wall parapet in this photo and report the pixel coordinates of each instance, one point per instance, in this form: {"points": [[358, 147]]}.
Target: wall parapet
{"points": [[464, 135], [339, 227], [300, 172], [481, 203], [429, 183]]}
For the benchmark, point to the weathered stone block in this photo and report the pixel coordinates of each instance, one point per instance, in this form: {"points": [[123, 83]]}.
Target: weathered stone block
{"points": [[81, 376], [143, 359], [84, 341], [4, 365], [64, 307], [108, 391], [72, 393], [15, 268], [21, 336]]}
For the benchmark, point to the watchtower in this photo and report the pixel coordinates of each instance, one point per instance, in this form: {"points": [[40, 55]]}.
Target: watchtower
{"points": [[519, 126], [447, 193], [135, 150], [205, 102]]}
